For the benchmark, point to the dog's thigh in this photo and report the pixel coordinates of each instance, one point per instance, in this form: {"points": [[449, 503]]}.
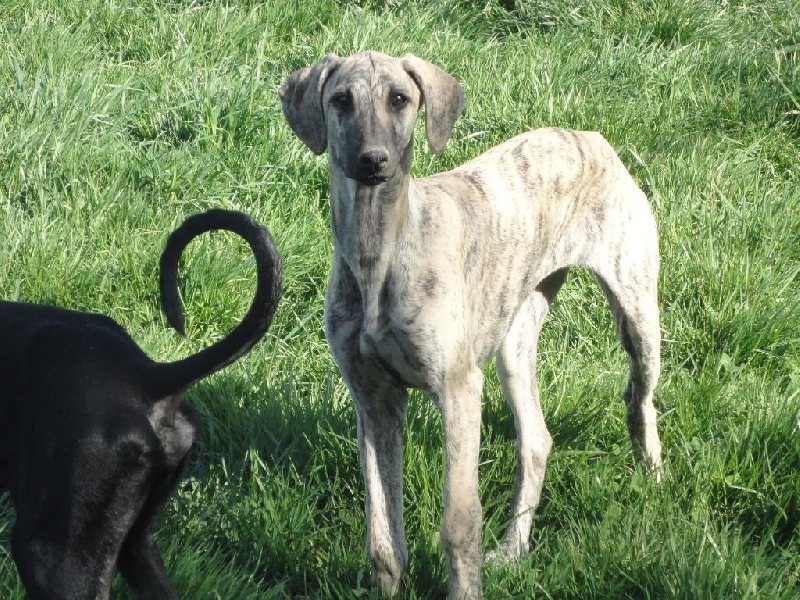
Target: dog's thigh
{"points": [[65, 543], [84, 496], [140, 561], [52, 568]]}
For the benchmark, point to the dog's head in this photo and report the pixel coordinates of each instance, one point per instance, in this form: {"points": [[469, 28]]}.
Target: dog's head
{"points": [[363, 108]]}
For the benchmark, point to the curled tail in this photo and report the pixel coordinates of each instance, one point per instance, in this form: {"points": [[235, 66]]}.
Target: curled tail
{"points": [[178, 376]]}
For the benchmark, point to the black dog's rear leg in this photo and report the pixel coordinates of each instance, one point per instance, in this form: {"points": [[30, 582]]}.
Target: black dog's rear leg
{"points": [[140, 562], [141, 565], [52, 569]]}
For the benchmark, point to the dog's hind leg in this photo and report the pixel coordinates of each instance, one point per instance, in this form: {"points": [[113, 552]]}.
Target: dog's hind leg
{"points": [[63, 543], [631, 289], [516, 367], [141, 565], [140, 562]]}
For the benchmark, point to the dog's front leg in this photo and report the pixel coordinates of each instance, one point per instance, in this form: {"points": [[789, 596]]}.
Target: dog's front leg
{"points": [[460, 403], [381, 413], [381, 407]]}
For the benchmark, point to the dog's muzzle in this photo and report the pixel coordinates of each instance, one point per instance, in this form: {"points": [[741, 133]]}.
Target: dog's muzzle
{"points": [[371, 168]]}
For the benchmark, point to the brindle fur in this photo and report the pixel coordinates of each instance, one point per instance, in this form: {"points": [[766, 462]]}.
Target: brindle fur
{"points": [[433, 277]]}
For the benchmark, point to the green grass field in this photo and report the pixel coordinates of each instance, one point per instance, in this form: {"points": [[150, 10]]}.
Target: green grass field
{"points": [[119, 118]]}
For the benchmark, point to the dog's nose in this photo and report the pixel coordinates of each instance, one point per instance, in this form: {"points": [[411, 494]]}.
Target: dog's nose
{"points": [[374, 158]]}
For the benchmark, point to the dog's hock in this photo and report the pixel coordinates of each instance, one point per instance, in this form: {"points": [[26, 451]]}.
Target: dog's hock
{"points": [[301, 101], [443, 97]]}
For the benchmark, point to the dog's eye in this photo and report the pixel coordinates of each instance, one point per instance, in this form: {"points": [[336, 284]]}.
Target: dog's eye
{"points": [[398, 100], [340, 100]]}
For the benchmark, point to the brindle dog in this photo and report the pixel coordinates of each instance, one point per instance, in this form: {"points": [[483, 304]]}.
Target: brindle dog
{"points": [[433, 277]]}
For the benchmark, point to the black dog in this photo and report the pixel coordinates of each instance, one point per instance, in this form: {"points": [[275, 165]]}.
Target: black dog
{"points": [[94, 435]]}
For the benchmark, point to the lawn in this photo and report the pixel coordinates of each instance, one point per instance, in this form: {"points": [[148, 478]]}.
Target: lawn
{"points": [[119, 118]]}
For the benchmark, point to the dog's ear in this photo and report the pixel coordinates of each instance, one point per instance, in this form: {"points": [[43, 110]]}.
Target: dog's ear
{"points": [[301, 99], [443, 97]]}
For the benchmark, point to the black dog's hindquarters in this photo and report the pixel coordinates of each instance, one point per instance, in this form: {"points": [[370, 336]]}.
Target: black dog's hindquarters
{"points": [[87, 472], [94, 435]]}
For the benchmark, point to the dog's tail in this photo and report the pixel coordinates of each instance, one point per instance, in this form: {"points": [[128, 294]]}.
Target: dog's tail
{"points": [[181, 375]]}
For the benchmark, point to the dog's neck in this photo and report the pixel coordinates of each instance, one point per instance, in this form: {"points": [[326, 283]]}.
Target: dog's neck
{"points": [[367, 219], [367, 223]]}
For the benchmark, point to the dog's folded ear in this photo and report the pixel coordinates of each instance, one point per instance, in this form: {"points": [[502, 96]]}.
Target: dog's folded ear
{"points": [[301, 100], [443, 97]]}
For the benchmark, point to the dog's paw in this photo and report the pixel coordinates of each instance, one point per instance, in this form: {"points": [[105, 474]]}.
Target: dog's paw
{"points": [[506, 553]]}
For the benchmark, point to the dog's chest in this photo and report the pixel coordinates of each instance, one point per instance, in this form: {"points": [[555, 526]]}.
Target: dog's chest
{"points": [[400, 355], [411, 329]]}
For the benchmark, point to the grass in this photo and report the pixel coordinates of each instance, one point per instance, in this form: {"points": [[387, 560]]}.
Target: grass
{"points": [[117, 119]]}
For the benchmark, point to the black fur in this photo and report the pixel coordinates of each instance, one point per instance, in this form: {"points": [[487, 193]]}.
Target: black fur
{"points": [[94, 435]]}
